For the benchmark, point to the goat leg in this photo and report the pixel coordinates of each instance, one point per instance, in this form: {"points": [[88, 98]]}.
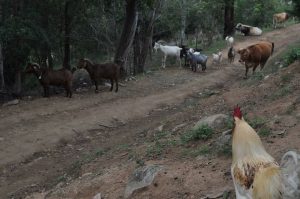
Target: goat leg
{"points": [[117, 85], [111, 84], [45, 92], [96, 85]]}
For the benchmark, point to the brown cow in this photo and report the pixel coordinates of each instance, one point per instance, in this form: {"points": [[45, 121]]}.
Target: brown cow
{"points": [[280, 18], [257, 54]]}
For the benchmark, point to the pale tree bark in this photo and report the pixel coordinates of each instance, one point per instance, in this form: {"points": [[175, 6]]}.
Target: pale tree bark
{"points": [[128, 33], [183, 22]]}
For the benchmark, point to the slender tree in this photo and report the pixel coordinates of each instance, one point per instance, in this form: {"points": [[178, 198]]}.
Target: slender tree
{"points": [[183, 21], [2, 86], [128, 32], [228, 18], [67, 25], [143, 36]]}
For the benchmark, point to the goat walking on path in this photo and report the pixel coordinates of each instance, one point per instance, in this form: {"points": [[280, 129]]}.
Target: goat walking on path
{"points": [[97, 72], [173, 51]]}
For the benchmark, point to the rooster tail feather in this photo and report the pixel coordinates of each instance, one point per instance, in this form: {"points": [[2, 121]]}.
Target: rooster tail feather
{"points": [[267, 183], [291, 174]]}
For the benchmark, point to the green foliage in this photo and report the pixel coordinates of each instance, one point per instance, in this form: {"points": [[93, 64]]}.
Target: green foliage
{"points": [[292, 56], [155, 150], [257, 122], [204, 150], [264, 132], [259, 13], [226, 150], [287, 78], [283, 91], [204, 132], [296, 8]]}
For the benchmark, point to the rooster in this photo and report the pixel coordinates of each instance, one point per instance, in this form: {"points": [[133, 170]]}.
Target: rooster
{"points": [[255, 173]]}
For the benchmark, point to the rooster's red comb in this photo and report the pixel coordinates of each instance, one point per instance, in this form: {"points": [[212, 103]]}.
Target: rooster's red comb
{"points": [[237, 112]]}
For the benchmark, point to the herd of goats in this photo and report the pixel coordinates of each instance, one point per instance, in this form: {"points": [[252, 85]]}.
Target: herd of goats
{"points": [[251, 56]]}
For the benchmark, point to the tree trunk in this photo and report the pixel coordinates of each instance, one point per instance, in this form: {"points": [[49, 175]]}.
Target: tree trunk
{"points": [[183, 22], [228, 18], [2, 87], [128, 32], [67, 18], [143, 39], [2, 82]]}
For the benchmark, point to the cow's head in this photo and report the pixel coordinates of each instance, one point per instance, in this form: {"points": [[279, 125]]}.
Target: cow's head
{"points": [[244, 54]]}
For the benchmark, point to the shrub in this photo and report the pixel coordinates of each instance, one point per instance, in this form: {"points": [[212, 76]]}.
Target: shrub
{"points": [[264, 132], [204, 132], [292, 56]]}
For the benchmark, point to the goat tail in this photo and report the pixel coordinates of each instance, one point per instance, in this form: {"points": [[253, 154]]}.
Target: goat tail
{"points": [[290, 165]]}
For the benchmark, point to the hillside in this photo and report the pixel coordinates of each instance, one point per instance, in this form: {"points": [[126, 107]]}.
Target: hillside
{"points": [[92, 143]]}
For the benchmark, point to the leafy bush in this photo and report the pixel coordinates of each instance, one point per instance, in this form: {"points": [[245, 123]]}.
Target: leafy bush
{"points": [[204, 132], [292, 56], [257, 122], [264, 132]]}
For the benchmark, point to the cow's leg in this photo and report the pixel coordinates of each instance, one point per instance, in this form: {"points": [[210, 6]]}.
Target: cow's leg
{"points": [[254, 67]]}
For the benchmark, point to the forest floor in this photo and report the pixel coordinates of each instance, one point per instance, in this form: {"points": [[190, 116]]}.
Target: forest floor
{"points": [[75, 148]]}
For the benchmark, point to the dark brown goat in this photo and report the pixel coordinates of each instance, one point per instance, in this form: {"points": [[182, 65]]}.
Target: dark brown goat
{"points": [[47, 77], [97, 72]]}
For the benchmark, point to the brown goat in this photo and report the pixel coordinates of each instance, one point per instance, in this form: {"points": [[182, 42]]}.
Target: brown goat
{"points": [[231, 54], [47, 77], [109, 71]]}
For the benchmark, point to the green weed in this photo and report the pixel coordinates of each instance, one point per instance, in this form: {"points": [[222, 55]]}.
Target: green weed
{"points": [[204, 132]]}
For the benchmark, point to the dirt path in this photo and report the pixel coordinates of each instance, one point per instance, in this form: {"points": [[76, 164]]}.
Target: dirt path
{"points": [[43, 124]]}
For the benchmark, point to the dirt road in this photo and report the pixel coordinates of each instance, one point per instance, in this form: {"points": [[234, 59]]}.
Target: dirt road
{"points": [[40, 138]]}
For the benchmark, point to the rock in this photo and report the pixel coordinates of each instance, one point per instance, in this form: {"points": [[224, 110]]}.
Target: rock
{"points": [[97, 196], [228, 132], [12, 102], [160, 128], [280, 132], [218, 121], [224, 139], [176, 128], [141, 177], [1, 139]]}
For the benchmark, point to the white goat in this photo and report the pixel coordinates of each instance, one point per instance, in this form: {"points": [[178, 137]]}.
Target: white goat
{"points": [[217, 58], [230, 41], [192, 50], [173, 51]]}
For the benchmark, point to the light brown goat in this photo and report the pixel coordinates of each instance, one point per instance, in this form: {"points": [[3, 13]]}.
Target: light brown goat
{"points": [[47, 77], [97, 72], [280, 18]]}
